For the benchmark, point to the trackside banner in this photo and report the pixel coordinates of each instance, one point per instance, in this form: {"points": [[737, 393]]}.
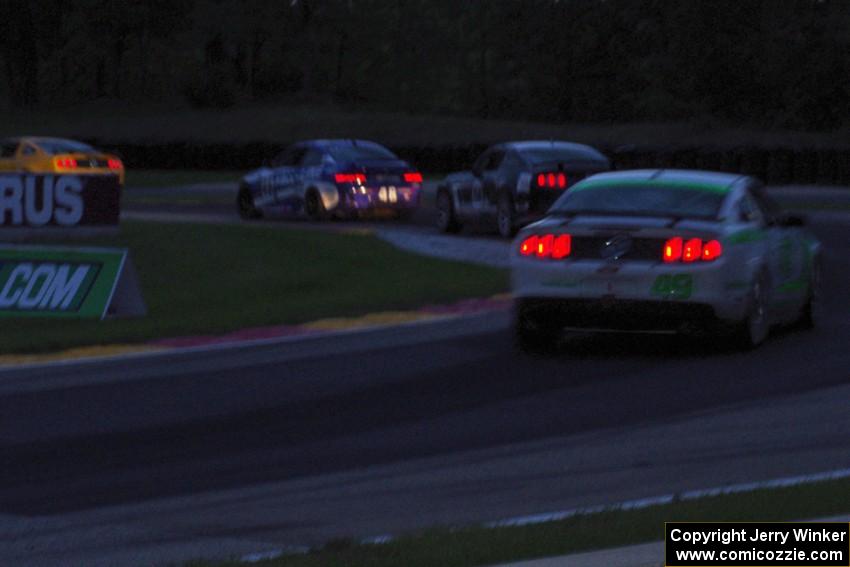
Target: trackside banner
{"points": [[757, 544], [33, 201], [62, 282]]}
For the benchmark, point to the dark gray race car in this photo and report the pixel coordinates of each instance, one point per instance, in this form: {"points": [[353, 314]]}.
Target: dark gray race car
{"points": [[514, 183]]}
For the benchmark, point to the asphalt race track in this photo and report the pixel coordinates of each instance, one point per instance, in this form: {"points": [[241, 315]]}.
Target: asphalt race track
{"points": [[220, 453]]}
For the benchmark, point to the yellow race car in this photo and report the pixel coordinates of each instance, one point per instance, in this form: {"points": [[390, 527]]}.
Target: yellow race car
{"points": [[57, 155]]}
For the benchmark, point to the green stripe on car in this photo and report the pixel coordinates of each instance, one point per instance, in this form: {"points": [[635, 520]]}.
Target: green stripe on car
{"points": [[686, 185], [745, 236]]}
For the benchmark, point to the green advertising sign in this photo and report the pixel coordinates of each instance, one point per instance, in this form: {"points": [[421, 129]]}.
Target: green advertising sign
{"points": [[67, 282]]}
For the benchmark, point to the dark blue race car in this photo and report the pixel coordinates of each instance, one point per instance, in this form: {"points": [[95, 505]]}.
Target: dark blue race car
{"points": [[514, 183], [331, 178]]}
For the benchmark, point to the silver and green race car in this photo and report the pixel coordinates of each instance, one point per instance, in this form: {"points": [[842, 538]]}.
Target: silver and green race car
{"points": [[664, 251]]}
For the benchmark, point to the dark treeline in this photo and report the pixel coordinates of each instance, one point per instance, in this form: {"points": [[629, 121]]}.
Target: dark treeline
{"points": [[779, 63]]}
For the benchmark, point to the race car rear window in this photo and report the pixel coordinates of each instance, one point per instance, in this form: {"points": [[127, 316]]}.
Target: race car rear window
{"points": [[54, 147], [356, 153], [642, 199], [547, 155]]}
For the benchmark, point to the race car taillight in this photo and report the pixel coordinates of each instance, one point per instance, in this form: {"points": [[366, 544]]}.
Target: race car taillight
{"points": [[528, 246], [672, 250], [711, 251], [413, 177], [350, 178], [65, 163], [114, 163], [552, 180], [554, 246], [678, 249]]}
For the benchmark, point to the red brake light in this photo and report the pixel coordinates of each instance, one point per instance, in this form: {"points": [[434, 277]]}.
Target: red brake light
{"points": [[712, 250], [350, 178], [552, 246], [562, 246], [692, 250], [544, 245], [678, 250], [413, 177], [673, 250], [528, 246], [552, 180], [114, 163], [65, 162]]}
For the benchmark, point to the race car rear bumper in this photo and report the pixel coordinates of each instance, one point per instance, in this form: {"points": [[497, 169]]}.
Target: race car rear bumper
{"points": [[659, 293], [366, 199], [618, 315]]}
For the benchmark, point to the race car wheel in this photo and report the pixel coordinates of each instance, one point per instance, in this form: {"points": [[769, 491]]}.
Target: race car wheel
{"points": [[506, 217], [753, 330], [811, 309], [532, 334], [315, 206], [245, 204], [446, 219]]}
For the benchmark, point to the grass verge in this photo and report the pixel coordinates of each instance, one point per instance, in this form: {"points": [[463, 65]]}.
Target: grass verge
{"points": [[482, 546], [181, 199], [139, 178], [202, 278]]}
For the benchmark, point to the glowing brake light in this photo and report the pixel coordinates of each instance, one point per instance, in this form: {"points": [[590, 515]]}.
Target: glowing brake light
{"points": [[114, 163], [692, 250], [350, 178], [552, 246], [552, 180], [528, 246], [712, 250], [544, 245], [413, 177], [678, 250], [673, 250], [65, 163], [562, 246]]}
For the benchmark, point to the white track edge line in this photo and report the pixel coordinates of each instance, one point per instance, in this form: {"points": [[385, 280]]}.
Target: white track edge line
{"points": [[688, 495], [626, 505]]}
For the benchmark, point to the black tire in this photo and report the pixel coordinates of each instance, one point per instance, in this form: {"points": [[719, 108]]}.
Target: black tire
{"points": [[314, 206], [755, 327], [245, 204], [506, 216], [446, 219], [533, 334], [810, 313]]}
